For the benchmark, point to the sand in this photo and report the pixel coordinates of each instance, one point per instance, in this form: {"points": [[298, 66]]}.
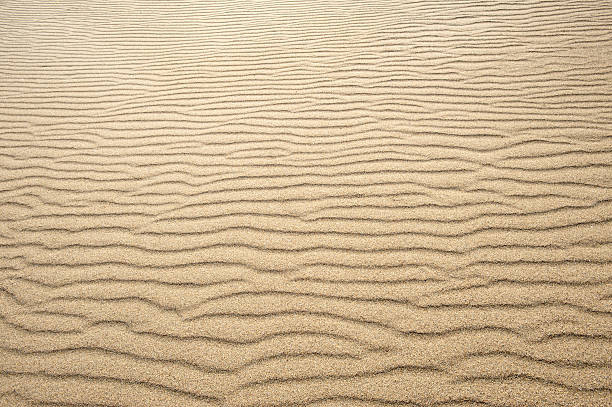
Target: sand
{"points": [[306, 203]]}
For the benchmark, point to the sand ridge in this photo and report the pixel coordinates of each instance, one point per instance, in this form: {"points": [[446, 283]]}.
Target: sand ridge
{"points": [[281, 203]]}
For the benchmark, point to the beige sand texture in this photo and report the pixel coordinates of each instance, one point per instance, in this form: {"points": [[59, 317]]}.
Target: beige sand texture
{"points": [[306, 203]]}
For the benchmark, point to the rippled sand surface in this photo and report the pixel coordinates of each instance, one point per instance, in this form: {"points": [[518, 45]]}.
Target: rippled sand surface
{"points": [[306, 203]]}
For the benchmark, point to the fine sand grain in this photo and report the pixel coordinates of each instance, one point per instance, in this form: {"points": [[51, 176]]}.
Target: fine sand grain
{"points": [[306, 203]]}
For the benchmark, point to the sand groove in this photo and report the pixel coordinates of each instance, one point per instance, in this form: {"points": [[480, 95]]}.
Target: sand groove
{"points": [[279, 203]]}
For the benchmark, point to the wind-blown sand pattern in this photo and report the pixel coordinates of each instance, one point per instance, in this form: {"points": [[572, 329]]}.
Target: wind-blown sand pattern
{"points": [[283, 203]]}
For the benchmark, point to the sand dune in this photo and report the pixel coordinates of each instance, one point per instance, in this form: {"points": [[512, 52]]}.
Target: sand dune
{"points": [[282, 203]]}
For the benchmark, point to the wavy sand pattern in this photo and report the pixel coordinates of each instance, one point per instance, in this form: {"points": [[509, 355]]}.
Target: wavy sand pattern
{"points": [[306, 203]]}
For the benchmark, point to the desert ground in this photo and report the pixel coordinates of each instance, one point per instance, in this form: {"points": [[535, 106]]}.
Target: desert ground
{"points": [[279, 203]]}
